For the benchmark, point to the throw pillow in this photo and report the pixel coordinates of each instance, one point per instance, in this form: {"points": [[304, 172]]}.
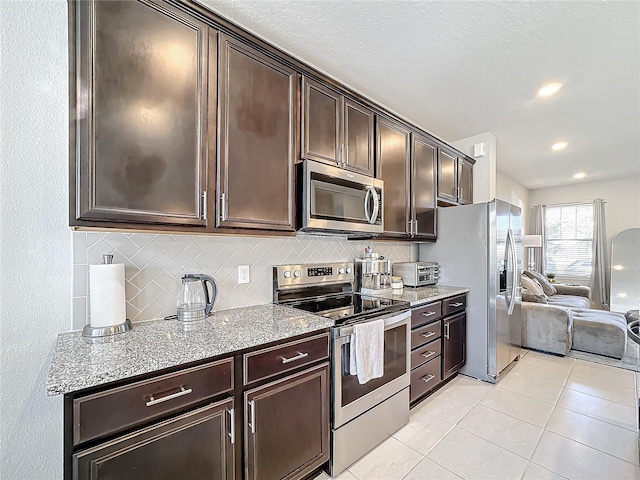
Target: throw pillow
{"points": [[527, 296], [546, 286], [531, 285]]}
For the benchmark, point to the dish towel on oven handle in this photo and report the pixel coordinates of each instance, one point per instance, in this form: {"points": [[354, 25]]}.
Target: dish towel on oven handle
{"points": [[366, 357]]}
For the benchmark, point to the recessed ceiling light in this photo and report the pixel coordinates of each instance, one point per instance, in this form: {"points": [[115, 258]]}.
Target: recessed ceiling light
{"points": [[559, 146], [549, 89], [580, 175], [618, 267]]}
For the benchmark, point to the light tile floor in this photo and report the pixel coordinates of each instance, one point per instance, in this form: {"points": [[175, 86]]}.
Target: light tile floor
{"points": [[549, 418]]}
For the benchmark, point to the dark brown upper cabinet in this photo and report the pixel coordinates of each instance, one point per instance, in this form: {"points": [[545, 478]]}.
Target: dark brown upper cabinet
{"points": [[257, 140], [393, 167], [138, 74], [455, 178], [424, 156], [335, 129]]}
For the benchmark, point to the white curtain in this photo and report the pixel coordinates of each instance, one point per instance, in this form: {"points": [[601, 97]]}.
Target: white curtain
{"points": [[600, 274], [536, 227]]}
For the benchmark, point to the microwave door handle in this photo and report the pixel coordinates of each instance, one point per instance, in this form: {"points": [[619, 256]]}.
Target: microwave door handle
{"points": [[376, 205], [366, 204]]}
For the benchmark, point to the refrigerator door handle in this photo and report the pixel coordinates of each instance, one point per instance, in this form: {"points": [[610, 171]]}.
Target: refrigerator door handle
{"points": [[511, 263]]}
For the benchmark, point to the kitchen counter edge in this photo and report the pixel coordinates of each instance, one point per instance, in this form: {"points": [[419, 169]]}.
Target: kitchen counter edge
{"points": [[423, 295]]}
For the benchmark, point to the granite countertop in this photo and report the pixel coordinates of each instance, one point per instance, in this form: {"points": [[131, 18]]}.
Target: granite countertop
{"points": [[420, 295], [80, 362]]}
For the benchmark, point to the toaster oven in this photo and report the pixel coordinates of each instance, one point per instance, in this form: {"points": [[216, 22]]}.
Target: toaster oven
{"points": [[417, 274]]}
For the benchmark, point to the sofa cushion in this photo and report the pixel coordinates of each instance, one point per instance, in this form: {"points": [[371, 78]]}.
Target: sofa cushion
{"points": [[528, 296], [547, 287], [599, 331], [532, 285], [570, 301]]}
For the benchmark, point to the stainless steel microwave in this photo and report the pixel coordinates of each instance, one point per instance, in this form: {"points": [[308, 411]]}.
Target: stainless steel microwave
{"points": [[339, 201]]}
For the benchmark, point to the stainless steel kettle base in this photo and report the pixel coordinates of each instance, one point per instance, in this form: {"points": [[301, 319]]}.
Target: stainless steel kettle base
{"points": [[89, 331]]}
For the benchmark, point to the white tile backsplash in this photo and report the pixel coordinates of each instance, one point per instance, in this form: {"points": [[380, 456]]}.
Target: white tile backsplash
{"points": [[154, 265]]}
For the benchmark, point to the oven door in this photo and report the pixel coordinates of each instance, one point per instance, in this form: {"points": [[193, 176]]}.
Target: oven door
{"points": [[351, 399], [334, 199]]}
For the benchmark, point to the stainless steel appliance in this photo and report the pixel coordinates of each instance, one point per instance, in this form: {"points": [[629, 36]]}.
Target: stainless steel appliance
{"points": [[373, 275], [417, 274], [194, 301], [339, 201], [478, 248], [362, 416]]}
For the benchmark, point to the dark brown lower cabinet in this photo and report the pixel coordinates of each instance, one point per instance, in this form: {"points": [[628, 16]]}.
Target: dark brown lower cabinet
{"points": [[453, 344], [195, 445], [287, 426]]}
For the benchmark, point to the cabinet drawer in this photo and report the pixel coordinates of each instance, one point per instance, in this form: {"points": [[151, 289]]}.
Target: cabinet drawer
{"points": [[425, 314], [282, 358], [114, 410], [425, 353], [425, 378], [425, 334], [454, 304]]}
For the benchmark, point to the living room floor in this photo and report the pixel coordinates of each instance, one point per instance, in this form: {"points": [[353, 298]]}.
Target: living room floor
{"points": [[549, 418]]}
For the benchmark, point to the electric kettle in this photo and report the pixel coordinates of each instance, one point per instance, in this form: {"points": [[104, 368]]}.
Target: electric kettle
{"points": [[194, 302]]}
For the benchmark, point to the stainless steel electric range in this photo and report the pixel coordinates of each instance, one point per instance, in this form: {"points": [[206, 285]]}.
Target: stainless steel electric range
{"points": [[362, 416]]}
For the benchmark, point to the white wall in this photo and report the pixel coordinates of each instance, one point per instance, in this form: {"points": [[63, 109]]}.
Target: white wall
{"points": [[35, 240], [622, 196], [507, 188], [484, 170]]}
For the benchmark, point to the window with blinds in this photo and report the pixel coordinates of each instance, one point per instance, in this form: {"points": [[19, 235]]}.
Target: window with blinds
{"points": [[568, 234]]}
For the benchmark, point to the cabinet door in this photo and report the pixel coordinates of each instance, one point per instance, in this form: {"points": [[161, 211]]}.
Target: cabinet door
{"points": [[321, 123], [358, 138], [287, 426], [447, 176], [140, 126], [195, 445], [393, 155], [465, 182], [424, 156], [454, 344], [257, 139]]}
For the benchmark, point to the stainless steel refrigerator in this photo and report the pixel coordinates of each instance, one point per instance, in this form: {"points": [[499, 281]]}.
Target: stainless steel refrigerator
{"points": [[479, 247]]}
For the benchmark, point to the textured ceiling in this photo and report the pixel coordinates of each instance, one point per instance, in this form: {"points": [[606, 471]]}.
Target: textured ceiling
{"points": [[461, 68]]}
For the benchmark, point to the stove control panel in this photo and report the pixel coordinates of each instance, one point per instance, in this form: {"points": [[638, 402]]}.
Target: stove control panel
{"points": [[313, 274]]}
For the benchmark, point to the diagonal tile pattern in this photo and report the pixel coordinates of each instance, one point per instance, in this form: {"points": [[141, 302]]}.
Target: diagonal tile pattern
{"points": [[154, 265], [549, 418]]}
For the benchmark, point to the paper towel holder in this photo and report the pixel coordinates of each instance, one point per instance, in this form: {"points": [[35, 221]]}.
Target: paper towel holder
{"points": [[89, 331]]}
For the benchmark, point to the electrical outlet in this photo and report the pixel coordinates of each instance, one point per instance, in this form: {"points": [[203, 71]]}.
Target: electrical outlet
{"points": [[243, 273]]}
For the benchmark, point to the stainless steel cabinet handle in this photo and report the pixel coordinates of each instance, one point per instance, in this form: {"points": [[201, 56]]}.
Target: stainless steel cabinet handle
{"points": [[427, 378], [427, 314], [428, 334], [346, 154], [153, 401], [297, 357], [223, 207], [204, 205], [416, 229], [428, 354], [232, 433], [252, 422], [457, 304], [411, 228], [446, 331]]}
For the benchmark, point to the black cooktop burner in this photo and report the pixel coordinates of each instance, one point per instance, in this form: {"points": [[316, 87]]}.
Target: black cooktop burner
{"points": [[349, 307]]}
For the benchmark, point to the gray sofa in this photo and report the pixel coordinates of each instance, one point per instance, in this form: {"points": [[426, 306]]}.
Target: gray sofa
{"points": [[562, 321]]}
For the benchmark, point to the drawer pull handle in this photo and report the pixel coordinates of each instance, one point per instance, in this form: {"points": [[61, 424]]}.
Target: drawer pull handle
{"points": [[299, 356], [427, 314], [427, 378], [252, 423], [428, 354], [457, 304], [446, 331], [428, 334], [152, 401]]}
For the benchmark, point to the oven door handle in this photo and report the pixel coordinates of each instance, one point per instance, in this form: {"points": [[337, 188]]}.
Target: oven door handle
{"points": [[389, 323]]}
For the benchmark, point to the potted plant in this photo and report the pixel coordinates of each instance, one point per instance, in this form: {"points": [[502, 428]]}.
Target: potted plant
{"points": [[551, 277]]}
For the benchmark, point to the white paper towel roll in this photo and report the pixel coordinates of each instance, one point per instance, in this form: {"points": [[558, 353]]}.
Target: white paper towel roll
{"points": [[107, 304]]}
